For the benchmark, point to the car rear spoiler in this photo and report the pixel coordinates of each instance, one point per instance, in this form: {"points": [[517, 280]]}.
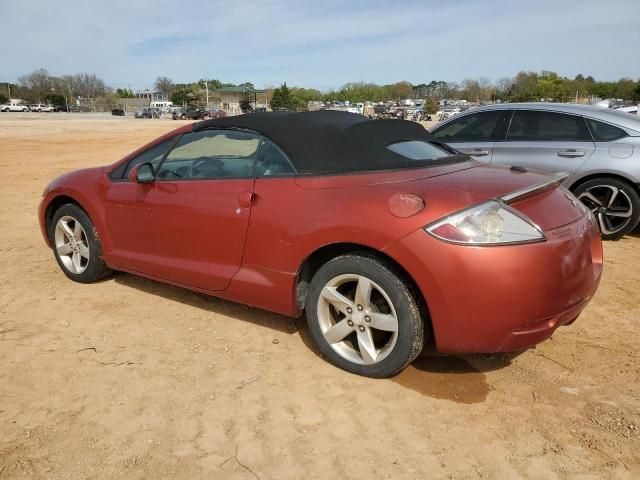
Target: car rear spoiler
{"points": [[523, 193]]}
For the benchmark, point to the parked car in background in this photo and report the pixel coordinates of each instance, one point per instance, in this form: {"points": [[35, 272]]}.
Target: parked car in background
{"points": [[146, 113], [15, 107], [40, 107], [188, 113], [386, 240], [600, 148], [118, 112], [215, 113], [633, 110], [61, 108]]}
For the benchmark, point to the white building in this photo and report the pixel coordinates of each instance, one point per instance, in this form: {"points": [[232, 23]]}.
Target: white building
{"points": [[152, 95]]}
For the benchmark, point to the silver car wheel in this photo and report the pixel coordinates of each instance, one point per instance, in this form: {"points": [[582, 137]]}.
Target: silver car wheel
{"points": [[358, 319], [72, 244], [611, 206]]}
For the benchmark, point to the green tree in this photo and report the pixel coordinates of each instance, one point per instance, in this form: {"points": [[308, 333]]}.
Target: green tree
{"points": [[187, 95], [125, 93], [430, 107], [400, 90], [525, 87], [55, 99], [3, 98], [282, 99], [624, 89]]}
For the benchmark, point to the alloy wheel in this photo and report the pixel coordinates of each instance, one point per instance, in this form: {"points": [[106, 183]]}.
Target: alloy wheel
{"points": [[72, 244], [357, 319], [611, 206]]}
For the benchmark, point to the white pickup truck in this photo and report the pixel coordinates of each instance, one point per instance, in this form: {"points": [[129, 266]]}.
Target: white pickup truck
{"points": [[14, 107]]}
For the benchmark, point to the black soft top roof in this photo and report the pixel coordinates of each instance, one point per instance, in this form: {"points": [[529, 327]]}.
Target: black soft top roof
{"points": [[330, 141]]}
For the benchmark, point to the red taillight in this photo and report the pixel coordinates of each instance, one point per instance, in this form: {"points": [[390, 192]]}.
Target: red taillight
{"points": [[404, 205], [450, 232]]}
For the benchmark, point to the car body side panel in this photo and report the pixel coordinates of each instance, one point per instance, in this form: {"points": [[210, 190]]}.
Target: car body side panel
{"points": [[544, 156], [87, 187], [620, 158], [190, 231], [282, 232]]}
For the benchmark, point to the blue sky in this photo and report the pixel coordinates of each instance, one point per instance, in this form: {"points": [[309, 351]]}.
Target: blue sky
{"points": [[321, 44]]}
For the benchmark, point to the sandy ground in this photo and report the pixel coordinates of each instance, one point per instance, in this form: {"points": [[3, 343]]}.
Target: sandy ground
{"points": [[129, 378]]}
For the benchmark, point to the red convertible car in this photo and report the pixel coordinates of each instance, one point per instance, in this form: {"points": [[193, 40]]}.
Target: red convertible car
{"points": [[384, 239]]}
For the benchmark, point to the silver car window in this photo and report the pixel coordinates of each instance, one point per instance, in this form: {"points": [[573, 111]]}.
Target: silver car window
{"points": [[603, 132], [475, 127], [538, 125]]}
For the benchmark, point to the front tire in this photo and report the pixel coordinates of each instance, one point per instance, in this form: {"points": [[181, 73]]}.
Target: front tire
{"points": [[76, 246], [615, 204], [363, 316]]}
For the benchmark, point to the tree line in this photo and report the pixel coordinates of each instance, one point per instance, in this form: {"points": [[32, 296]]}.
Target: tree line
{"points": [[40, 86]]}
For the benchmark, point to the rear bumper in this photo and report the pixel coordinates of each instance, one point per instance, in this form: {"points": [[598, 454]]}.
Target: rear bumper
{"points": [[536, 332], [506, 298]]}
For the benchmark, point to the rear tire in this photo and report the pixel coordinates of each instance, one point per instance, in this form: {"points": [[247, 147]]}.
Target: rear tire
{"points": [[76, 246], [615, 204], [363, 316]]}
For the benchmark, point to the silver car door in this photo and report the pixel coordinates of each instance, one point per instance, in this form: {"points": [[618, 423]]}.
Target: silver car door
{"points": [[547, 141]]}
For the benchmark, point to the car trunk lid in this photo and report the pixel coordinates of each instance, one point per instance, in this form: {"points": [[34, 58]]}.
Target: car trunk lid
{"points": [[453, 187]]}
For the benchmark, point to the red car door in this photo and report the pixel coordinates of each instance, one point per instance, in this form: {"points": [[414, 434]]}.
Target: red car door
{"points": [[189, 225]]}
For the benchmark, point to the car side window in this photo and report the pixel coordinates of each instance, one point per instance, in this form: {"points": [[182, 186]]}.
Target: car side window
{"points": [[211, 154], [153, 156], [537, 125], [603, 132], [475, 127], [272, 161]]}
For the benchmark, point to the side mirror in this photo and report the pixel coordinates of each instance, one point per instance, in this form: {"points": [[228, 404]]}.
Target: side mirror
{"points": [[142, 173]]}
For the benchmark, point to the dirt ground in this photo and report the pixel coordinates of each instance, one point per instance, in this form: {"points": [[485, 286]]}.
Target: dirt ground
{"points": [[130, 378]]}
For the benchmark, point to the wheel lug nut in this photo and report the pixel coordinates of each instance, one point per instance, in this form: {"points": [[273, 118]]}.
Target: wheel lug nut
{"points": [[349, 310], [360, 308], [361, 328], [367, 318], [350, 323]]}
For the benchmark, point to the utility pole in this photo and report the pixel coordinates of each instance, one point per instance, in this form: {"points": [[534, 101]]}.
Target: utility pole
{"points": [[206, 87]]}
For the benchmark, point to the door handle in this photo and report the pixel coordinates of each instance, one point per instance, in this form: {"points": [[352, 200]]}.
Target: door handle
{"points": [[246, 199], [478, 152], [571, 153]]}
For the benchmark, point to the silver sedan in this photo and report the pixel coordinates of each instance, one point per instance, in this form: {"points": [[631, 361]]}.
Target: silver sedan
{"points": [[600, 148]]}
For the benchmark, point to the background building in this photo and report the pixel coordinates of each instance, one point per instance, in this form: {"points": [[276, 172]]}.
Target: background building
{"points": [[237, 100], [152, 95]]}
